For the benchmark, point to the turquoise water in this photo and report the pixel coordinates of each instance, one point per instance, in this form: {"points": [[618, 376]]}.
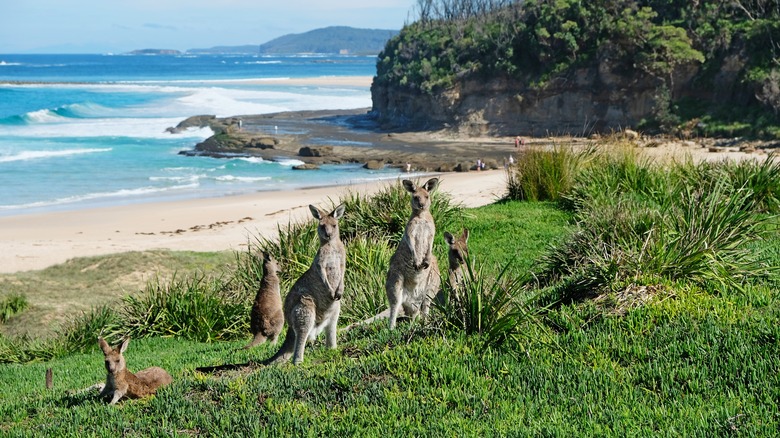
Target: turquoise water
{"points": [[79, 131]]}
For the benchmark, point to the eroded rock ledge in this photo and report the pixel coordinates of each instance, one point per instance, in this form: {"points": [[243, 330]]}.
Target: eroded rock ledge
{"points": [[332, 137]]}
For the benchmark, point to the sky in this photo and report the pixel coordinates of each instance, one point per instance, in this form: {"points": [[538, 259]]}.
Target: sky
{"points": [[119, 26]]}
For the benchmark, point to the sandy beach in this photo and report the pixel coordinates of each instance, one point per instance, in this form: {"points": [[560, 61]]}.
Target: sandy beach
{"points": [[36, 241]]}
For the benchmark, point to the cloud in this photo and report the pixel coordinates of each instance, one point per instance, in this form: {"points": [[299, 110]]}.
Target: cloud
{"points": [[159, 26]]}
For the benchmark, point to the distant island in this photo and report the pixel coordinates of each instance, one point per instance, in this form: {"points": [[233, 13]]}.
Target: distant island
{"points": [[155, 52], [329, 40]]}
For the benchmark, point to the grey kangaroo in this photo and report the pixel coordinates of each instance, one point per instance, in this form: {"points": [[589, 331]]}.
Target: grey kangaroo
{"points": [[413, 277], [314, 301], [457, 253], [267, 316], [120, 382]]}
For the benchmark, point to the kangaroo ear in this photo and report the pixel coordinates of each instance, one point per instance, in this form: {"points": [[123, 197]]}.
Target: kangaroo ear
{"points": [[465, 235], [449, 238], [315, 212], [432, 184], [123, 347], [339, 211], [104, 345], [409, 186]]}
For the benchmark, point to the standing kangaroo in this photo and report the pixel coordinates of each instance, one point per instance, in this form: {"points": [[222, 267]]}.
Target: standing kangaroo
{"points": [[120, 382], [413, 277], [267, 316], [313, 303], [457, 253]]}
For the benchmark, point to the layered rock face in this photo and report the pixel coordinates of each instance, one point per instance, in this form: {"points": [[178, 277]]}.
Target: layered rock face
{"points": [[600, 98]]}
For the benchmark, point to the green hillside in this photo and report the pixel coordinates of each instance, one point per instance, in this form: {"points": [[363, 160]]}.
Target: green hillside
{"points": [[336, 39], [329, 40]]}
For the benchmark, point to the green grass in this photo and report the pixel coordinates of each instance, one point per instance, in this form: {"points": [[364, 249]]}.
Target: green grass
{"points": [[694, 358], [695, 365], [58, 293]]}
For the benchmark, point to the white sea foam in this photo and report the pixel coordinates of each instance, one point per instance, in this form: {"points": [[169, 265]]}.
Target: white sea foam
{"points": [[255, 160], [232, 178], [290, 162], [178, 179], [124, 193], [35, 155], [47, 124]]}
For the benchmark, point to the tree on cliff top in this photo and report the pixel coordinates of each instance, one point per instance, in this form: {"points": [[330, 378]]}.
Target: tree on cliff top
{"points": [[536, 41]]}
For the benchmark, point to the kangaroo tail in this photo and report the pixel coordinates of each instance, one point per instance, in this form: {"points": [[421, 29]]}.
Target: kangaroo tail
{"points": [[258, 339], [285, 351], [381, 315]]}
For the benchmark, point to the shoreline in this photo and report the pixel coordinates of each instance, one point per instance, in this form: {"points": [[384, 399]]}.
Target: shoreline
{"points": [[40, 240]]}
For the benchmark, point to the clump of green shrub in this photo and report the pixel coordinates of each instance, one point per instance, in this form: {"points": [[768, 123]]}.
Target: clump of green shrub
{"points": [[200, 308], [12, 305], [492, 306], [642, 223], [544, 175]]}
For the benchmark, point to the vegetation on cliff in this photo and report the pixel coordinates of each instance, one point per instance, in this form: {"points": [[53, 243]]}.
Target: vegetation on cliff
{"points": [[661, 41]]}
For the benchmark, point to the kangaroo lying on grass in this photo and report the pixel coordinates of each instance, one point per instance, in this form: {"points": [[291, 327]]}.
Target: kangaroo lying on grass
{"points": [[413, 277], [313, 303], [267, 317], [120, 382]]}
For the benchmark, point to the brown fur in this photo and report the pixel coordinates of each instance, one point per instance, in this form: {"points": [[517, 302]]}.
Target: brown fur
{"points": [[413, 277], [457, 253], [313, 304], [267, 316], [122, 383]]}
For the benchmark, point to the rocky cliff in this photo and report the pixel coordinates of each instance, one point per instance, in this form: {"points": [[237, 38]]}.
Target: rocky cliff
{"points": [[599, 98]]}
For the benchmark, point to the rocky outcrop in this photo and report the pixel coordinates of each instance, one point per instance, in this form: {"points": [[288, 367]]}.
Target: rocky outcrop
{"points": [[315, 151], [603, 97], [590, 100]]}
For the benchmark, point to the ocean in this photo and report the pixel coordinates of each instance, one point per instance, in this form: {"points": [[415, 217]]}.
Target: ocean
{"points": [[81, 131]]}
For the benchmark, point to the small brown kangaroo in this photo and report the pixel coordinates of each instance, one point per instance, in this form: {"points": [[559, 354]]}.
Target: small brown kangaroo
{"points": [[313, 304], [457, 253], [120, 382], [413, 276], [267, 316]]}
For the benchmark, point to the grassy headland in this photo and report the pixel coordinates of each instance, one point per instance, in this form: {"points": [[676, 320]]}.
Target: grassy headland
{"points": [[636, 299]]}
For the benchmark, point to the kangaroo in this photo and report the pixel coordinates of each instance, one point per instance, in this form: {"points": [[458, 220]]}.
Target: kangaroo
{"points": [[457, 253], [313, 303], [120, 382], [413, 277], [267, 317]]}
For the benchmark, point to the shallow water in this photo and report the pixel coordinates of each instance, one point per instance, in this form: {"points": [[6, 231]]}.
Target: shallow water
{"points": [[79, 131]]}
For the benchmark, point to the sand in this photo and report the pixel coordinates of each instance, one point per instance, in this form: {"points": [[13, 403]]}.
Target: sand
{"points": [[37, 241]]}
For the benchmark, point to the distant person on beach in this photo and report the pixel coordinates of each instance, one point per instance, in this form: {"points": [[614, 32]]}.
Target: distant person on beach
{"points": [[517, 141], [511, 160], [479, 163], [408, 167], [240, 124]]}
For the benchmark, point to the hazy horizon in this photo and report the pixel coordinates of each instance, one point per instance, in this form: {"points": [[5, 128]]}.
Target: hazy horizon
{"points": [[85, 27]]}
